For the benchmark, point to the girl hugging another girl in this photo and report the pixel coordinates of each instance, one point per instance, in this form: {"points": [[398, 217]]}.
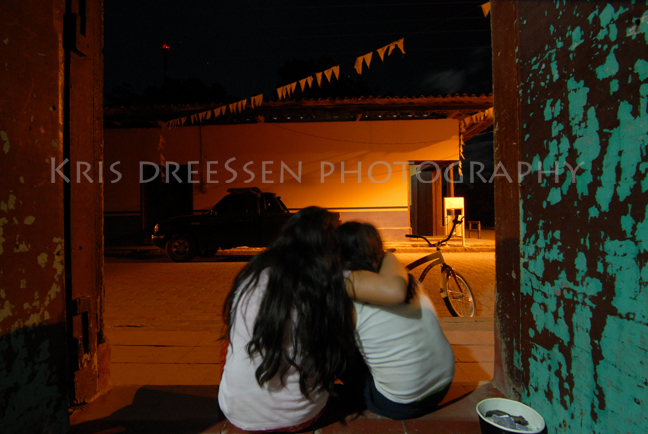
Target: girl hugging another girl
{"points": [[290, 326], [410, 361]]}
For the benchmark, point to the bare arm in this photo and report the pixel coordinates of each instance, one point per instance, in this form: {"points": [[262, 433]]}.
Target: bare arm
{"points": [[388, 287]]}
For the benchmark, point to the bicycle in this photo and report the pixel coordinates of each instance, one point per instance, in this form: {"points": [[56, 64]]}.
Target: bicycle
{"points": [[455, 290]]}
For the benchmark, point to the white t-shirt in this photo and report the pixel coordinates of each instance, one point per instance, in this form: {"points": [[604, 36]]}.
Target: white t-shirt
{"points": [[405, 348], [248, 405]]}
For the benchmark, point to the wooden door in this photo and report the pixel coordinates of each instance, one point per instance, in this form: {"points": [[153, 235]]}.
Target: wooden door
{"points": [[426, 210]]}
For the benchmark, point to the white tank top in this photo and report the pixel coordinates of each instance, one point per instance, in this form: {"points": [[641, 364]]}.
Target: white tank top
{"points": [[405, 348], [248, 405]]}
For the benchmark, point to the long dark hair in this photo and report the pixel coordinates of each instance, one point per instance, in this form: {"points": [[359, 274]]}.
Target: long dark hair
{"points": [[305, 298]]}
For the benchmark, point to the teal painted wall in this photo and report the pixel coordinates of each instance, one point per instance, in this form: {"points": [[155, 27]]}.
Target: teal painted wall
{"points": [[584, 239]]}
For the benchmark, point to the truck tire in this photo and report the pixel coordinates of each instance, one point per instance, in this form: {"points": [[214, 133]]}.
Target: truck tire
{"points": [[181, 248]]}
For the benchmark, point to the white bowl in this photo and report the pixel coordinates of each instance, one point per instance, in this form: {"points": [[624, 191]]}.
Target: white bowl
{"points": [[514, 408]]}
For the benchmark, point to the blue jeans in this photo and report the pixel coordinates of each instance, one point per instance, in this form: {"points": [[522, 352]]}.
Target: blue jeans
{"points": [[383, 406]]}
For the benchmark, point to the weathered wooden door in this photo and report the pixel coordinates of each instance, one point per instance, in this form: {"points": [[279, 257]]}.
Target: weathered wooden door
{"points": [[88, 355], [426, 210]]}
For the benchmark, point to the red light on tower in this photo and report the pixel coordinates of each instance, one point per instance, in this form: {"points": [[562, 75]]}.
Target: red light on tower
{"points": [[165, 61]]}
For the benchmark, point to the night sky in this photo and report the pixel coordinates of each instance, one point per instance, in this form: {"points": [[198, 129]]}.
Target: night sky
{"points": [[242, 44]]}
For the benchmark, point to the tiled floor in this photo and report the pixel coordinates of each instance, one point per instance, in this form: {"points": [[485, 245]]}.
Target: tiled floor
{"points": [[163, 325]]}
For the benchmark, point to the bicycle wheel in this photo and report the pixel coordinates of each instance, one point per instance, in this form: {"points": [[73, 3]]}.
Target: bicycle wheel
{"points": [[459, 299]]}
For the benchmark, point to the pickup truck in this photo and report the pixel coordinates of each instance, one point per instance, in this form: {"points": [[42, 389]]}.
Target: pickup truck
{"points": [[244, 217]]}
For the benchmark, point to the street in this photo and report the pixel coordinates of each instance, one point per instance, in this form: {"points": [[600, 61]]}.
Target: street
{"points": [[163, 295]]}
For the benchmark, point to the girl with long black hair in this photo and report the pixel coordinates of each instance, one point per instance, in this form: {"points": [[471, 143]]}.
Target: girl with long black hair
{"points": [[290, 325]]}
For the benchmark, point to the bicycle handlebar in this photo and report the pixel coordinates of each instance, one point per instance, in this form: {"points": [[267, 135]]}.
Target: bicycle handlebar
{"points": [[455, 222]]}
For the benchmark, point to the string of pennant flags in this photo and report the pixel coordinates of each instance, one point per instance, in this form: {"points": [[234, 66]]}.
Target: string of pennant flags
{"points": [[288, 90]]}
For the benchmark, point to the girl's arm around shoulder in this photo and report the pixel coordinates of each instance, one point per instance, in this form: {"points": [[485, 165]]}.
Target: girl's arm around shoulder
{"points": [[388, 287]]}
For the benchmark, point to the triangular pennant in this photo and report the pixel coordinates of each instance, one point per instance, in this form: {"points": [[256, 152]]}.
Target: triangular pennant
{"points": [[381, 52], [328, 73], [401, 44], [232, 107], [280, 92], [201, 116], [184, 119], [243, 104], [318, 77], [302, 84], [293, 86], [486, 9], [391, 48], [217, 112], [309, 80], [367, 59], [336, 70], [358, 65], [208, 114], [257, 100]]}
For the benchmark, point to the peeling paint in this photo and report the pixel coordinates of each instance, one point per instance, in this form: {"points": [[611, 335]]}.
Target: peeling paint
{"points": [[3, 221], [42, 259], [5, 139], [20, 247], [58, 258], [37, 386], [584, 246], [641, 69], [5, 311], [11, 203]]}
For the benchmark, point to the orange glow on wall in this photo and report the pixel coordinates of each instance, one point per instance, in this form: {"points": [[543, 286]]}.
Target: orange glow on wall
{"points": [[341, 164]]}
